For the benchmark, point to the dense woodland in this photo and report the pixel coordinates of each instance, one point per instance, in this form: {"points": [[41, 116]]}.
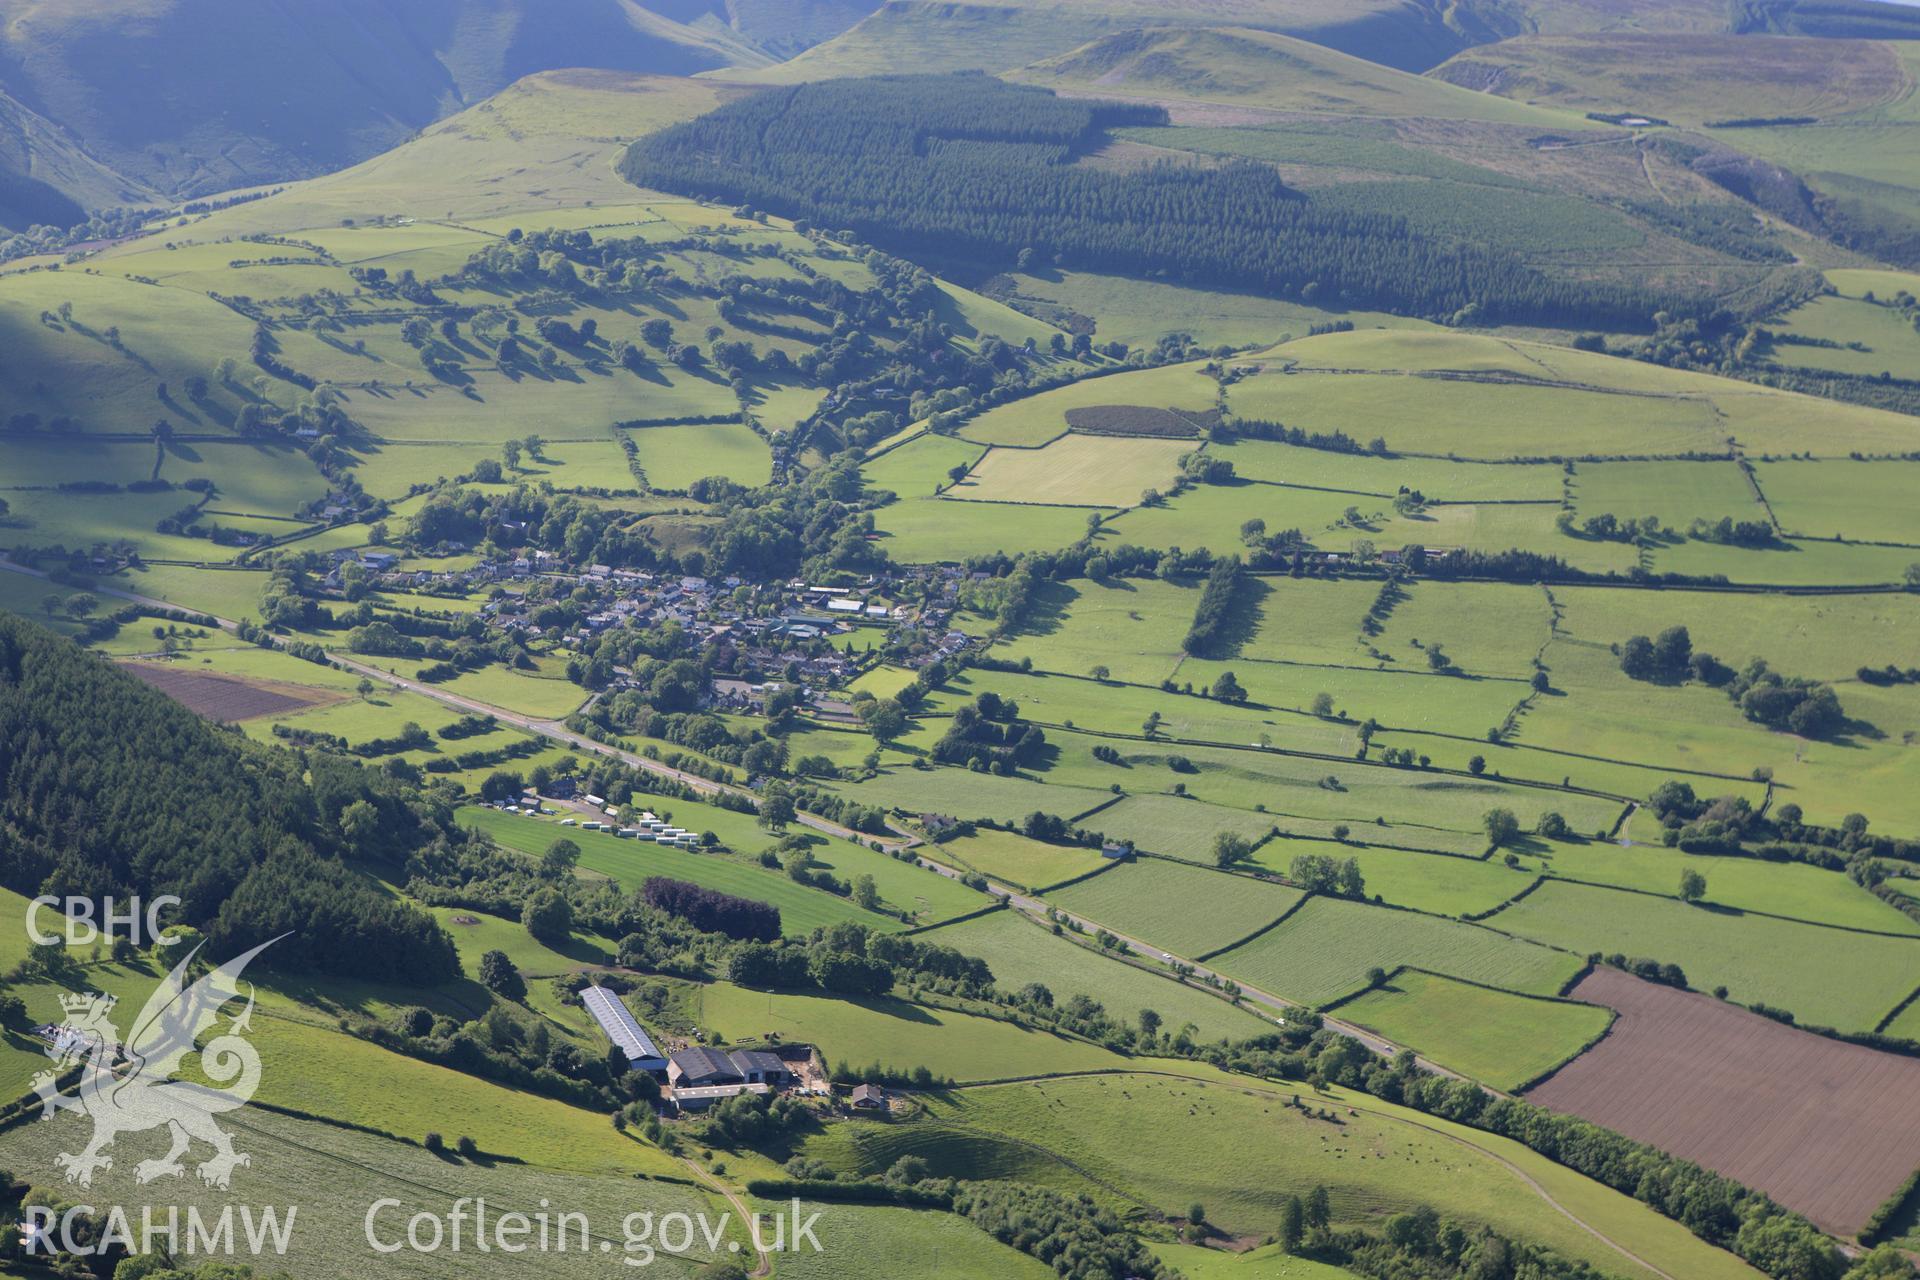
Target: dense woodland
{"points": [[969, 166], [108, 787]]}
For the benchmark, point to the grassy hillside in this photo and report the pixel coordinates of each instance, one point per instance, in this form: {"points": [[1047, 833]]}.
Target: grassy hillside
{"points": [[923, 36], [1838, 115], [1688, 79], [1255, 68]]}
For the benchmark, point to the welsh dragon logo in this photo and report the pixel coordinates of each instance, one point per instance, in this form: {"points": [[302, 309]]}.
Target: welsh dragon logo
{"points": [[127, 1086]]}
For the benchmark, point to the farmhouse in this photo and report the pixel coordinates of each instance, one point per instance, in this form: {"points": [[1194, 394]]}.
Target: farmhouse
{"points": [[700, 1077], [869, 1097]]}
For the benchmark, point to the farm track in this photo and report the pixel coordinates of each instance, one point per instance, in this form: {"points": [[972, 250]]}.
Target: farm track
{"points": [[765, 1265]]}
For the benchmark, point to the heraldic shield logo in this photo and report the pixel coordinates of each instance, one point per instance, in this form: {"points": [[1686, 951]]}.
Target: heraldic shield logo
{"points": [[129, 1086]]}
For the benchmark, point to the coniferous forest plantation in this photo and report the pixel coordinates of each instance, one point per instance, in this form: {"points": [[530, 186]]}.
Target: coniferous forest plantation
{"points": [[1261, 640]]}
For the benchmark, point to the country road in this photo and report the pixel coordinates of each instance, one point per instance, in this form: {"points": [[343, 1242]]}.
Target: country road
{"points": [[1019, 900]]}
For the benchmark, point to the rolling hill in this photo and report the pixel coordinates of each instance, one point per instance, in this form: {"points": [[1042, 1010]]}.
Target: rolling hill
{"points": [[1264, 69], [1820, 132]]}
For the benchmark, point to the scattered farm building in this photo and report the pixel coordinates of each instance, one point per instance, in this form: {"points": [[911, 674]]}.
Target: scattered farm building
{"points": [[623, 1029]]}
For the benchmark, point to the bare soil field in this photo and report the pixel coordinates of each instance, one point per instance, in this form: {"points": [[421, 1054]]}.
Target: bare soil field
{"points": [[1825, 1128], [225, 698]]}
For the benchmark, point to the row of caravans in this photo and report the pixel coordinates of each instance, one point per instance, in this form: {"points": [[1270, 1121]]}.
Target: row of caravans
{"points": [[647, 827]]}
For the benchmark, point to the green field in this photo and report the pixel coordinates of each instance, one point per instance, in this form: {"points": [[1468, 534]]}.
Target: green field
{"points": [[1872, 339], [1021, 951], [1324, 949], [1673, 493], [1498, 1038], [867, 1242], [1440, 479], [1268, 1262], [1844, 499], [801, 909], [674, 457], [1141, 312], [1698, 729], [1241, 1151], [1828, 637], [931, 530], [1745, 884], [1014, 859], [1824, 976], [913, 468], [1259, 68], [897, 1033], [1076, 470], [1505, 399], [334, 1175], [1433, 882], [1037, 419], [1181, 908]]}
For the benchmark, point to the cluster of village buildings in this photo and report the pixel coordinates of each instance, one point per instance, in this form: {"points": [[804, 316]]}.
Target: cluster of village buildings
{"points": [[705, 607]]}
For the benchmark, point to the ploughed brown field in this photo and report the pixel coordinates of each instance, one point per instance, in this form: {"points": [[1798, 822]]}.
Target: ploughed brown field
{"points": [[1825, 1128], [224, 698]]}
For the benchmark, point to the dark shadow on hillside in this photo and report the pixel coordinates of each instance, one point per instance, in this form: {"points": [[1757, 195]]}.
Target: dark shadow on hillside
{"points": [[1852, 728], [1048, 612], [1246, 614]]}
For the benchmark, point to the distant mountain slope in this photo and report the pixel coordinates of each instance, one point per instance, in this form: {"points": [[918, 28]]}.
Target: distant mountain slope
{"points": [[194, 96], [48, 178], [1264, 69], [548, 141], [780, 28], [998, 35], [1688, 79], [1824, 133]]}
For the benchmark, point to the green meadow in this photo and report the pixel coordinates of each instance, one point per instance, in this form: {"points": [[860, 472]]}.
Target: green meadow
{"points": [[1184, 909], [1021, 951], [1014, 859], [1824, 976], [1498, 1038], [896, 1033], [1324, 950]]}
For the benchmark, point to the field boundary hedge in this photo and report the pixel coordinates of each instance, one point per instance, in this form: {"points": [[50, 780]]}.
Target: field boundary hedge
{"points": [[1281, 919], [1893, 1013], [1106, 865], [998, 904], [1889, 1210], [1477, 916]]}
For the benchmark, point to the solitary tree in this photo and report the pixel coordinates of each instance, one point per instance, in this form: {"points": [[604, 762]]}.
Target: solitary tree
{"points": [[1100, 673], [499, 976], [1319, 1209], [1323, 704], [1693, 885], [1293, 1224], [510, 452], [1230, 848], [1501, 826], [1149, 1023]]}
